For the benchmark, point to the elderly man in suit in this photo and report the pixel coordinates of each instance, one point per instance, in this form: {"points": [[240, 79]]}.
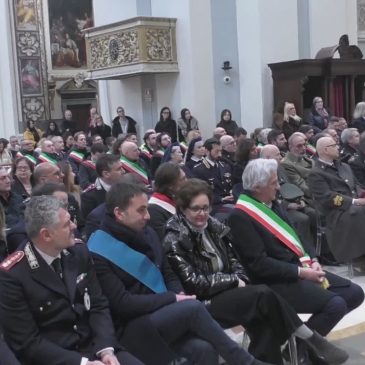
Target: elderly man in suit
{"points": [[51, 306], [339, 197], [274, 255], [296, 163]]}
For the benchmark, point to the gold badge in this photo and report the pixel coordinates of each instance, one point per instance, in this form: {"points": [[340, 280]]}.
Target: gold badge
{"points": [[338, 200]]}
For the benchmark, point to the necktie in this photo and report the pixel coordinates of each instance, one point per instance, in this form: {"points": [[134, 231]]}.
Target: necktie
{"points": [[56, 264]]}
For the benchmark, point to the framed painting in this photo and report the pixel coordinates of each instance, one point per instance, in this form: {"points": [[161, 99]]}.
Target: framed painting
{"points": [[67, 19], [30, 76], [26, 14]]}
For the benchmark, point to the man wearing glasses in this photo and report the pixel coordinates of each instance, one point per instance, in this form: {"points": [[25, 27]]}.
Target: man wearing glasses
{"points": [[341, 201], [123, 124]]}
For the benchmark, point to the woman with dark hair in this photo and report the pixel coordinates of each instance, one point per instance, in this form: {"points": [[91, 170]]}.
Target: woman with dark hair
{"points": [[161, 205], [32, 133], [319, 115], [227, 123], [187, 122], [100, 128], [246, 151], [52, 130], [68, 140], [22, 172], [196, 151], [200, 252], [5, 156], [163, 141], [168, 125]]}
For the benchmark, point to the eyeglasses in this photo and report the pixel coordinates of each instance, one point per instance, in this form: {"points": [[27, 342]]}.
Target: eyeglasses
{"points": [[166, 112], [196, 209], [23, 168]]}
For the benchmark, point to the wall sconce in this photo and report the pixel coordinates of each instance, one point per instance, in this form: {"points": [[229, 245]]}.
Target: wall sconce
{"points": [[226, 67]]}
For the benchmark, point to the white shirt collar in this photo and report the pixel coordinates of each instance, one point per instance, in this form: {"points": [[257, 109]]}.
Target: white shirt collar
{"points": [[105, 186], [49, 259]]}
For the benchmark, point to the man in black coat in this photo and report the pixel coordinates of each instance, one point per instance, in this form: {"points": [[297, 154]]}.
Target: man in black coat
{"points": [[340, 199], [51, 305], [110, 171], [78, 152], [154, 322], [357, 163], [123, 124], [267, 249]]}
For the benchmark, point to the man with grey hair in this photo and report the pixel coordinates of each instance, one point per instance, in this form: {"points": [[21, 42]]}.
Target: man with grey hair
{"points": [[229, 147], [51, 305], [297, 165], [357, 164], [340, 199], [274, 255], [350, 139]]}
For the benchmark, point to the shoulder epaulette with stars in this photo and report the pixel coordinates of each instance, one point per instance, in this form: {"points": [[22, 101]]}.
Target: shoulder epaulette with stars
{"points": [[11, 260], [89, 188]]}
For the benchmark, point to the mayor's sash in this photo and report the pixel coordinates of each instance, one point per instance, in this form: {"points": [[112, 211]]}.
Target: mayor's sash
{"points": [[44, 157], [76, 156], [135, 169], [275, 225], [133, 262], [30, 158]]}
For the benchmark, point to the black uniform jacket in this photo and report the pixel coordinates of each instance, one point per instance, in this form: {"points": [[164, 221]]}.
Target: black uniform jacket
{"points": [[46, 320]]}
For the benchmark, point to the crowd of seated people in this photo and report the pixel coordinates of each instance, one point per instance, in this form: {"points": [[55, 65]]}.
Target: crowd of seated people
{"points": [[162, 242]]}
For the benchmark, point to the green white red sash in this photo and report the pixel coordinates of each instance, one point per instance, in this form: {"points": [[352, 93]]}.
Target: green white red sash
{"points": [[90, 164], [44, 157], [274, 224], [163, 201], [135, 169], [146, 152], [32, 159], [310, 149], [160, 152], [76, 156]]}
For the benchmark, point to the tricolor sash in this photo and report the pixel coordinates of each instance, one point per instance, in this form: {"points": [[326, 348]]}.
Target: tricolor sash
{"points": [[44, 157], [76, 156], [163, 201], [133, 262], [90, 164], [146, 152], [311, 150], [275, 225], [134, 168], [32, 159]]}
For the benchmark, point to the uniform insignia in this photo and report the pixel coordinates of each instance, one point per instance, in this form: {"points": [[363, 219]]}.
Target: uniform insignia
{"points": [[87, 302], [81, 277], [89, 188], [338, 200], [11, 260], [65, 252], [32, 260], [78, 240], [206, 163]]}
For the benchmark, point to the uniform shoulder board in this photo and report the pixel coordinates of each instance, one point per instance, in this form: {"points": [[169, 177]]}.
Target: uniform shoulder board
{"points": [[89, 188], [206, 163], [78, 240], [11, 260]]}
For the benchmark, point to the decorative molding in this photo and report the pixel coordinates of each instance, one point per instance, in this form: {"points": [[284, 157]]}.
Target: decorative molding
{"points": [[33, 108], [132, 47], [79, 79], [361, 19], [28, 44]]}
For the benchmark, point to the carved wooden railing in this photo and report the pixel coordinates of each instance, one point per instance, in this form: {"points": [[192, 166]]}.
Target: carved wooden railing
{"points": [[132, 47]]}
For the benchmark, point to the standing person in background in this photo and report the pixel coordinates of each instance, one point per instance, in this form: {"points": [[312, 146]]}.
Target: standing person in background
{"points": [[359, 117], [68, 124], [291, 121], [5, 156], [32, 133], [100, 128], [187, 122], [13, 147], [91, 121], [52, 130], [227, 123], [319, 116], [123, 124], [168, 125]]}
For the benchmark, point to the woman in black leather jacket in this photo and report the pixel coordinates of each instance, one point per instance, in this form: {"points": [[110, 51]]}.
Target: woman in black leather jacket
{"points": [[199, 250]]}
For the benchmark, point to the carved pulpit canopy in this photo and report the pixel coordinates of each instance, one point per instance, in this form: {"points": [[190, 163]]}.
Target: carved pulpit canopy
{"points": [[136, 46], [344, 49]]}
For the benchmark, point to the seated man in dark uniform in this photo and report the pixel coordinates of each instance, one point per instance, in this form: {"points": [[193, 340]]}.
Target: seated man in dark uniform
{"points": [[51, 305], [153, 317], [273, 254], [216, 173], [357, 163], [340, 200]]}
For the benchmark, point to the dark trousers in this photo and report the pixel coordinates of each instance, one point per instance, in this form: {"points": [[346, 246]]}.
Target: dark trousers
{"points": [[6, 355], [125, 358], [268, 319], [347, 299], [192, 333]]}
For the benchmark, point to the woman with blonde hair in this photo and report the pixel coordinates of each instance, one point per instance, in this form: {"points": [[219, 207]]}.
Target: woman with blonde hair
{"points": [[359, 117], [291, 120], [319, 115]]}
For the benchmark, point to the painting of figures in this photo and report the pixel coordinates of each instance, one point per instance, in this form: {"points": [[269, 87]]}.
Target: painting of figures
{"points": [[67, 19], [26, 15], [30, 74]]}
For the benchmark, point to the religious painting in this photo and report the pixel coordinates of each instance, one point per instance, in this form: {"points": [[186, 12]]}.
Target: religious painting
{"points": [[26, 14], [67, 19], [30, 74]]}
